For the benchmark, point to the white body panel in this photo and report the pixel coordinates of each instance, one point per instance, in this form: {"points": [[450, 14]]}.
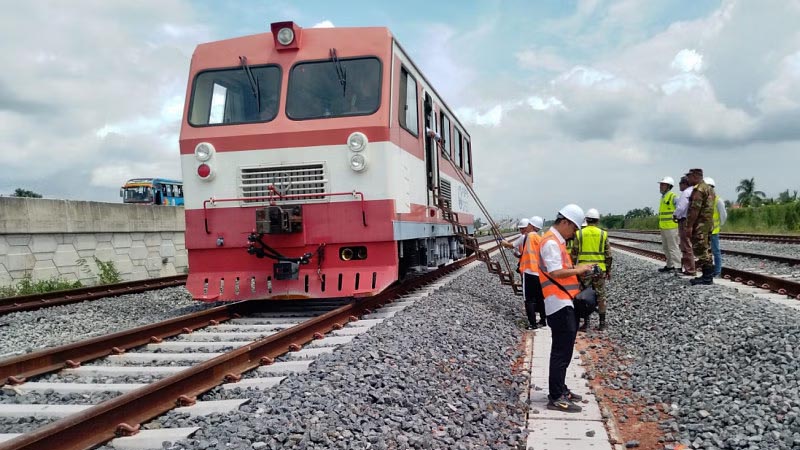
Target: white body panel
{"points": [[391, 173]]}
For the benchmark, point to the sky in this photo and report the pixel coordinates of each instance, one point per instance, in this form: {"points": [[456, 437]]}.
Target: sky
{"points": [[588, 102]]}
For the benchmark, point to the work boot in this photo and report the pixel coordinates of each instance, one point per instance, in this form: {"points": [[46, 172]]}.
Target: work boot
{"points": [[585, 325], [666, 269], [602, 325], [706, 279]]}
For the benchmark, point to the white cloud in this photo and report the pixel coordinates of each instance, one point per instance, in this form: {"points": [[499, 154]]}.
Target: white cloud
{"points": [[323, 24], [543, 104], [546, 59], [688, 60], [491, 118]]}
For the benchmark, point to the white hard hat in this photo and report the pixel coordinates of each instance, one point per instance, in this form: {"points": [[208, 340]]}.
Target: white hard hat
{"points": [[668, 180], [537, 222], [709, 181], [593, 214], [573, 213], [523, 223]]}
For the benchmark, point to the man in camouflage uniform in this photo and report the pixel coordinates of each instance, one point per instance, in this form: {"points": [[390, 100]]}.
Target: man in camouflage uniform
{"points": [[699, 223], [591, 246]]}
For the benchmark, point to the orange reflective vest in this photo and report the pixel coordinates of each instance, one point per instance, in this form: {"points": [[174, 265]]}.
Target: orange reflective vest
{"points": [[530, 254], [570, 283]]}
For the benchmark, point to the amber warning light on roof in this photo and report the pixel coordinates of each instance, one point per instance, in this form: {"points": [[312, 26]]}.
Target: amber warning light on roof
{"points": [[286, 35]]}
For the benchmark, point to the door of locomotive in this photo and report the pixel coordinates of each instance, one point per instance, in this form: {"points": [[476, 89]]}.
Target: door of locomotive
{"points": [[431, 153]]}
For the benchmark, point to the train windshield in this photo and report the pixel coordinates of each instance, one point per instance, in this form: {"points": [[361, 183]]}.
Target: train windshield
{"points": [[234, 96], [136, 194], [334, 88]]}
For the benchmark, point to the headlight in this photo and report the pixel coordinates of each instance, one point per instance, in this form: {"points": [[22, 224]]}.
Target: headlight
{"points": [[357, 141], [203, 151], [285, 36], [358, 162]]}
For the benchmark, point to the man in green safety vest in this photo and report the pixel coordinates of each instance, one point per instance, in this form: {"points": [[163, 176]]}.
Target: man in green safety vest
{"points": [[669, 228], [591, 247], [720, 216]]}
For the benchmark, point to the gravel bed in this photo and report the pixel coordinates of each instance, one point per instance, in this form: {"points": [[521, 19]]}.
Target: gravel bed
{"points": [[22, 424], [724, 366], [101, 379], [765, 248], [27, 331], [740, 262], [53, 398], [437, 375]]}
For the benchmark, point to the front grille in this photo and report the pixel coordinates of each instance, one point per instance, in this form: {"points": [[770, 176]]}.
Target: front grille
{"points": [[306, 179]]}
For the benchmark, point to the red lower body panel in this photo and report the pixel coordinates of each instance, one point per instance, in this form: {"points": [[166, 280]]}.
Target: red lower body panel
{"points": [[227, 272]]}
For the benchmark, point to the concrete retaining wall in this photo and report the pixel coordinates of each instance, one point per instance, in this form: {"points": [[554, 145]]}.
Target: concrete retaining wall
{"points": [[60, 238]]}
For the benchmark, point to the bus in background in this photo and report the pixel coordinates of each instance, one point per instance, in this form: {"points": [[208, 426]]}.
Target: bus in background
{"points": [[152, 191]]}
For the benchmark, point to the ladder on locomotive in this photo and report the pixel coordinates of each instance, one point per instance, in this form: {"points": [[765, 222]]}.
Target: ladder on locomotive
{"points": [[507, 276]]}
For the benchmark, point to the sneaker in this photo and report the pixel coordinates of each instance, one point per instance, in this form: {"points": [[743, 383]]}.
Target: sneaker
{"points": [[532, 326], [563, 405], [573, 397], [542, 323], [666, 269]]}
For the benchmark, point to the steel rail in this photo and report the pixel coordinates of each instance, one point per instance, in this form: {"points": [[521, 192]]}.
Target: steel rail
{"points": [[64, 297], [776, 258], [778, 238], [124, 414], [774, 284]]}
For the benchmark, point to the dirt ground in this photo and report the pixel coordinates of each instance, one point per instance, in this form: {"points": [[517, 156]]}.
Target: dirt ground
{"points": [[635, 419]]}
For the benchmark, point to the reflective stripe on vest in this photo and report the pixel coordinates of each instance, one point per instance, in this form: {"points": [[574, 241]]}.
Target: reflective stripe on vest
{"points": [[530, 254], [570, 283], [665, 211], [716, 217], [591, 243]]}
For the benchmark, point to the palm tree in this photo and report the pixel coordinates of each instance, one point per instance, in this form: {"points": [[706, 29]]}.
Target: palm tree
{"points": [[748, 195]]}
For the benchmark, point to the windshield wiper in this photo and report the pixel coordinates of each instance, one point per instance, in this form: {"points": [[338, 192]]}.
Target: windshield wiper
{"points": [[340, 71], [253, 81]]}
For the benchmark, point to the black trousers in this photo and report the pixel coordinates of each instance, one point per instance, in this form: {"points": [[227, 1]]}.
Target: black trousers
{"points": [[564, 330], [534, 299]]}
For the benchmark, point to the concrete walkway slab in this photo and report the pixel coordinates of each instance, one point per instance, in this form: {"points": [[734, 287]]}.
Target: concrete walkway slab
{"points": [[555, 430], [567, 435]]}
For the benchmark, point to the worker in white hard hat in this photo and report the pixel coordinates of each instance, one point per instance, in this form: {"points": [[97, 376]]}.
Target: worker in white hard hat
{"points": [[524, 227], [720, 217], [529, 270], [668, 226], [681, 211], [591, 246], [559, 279]]}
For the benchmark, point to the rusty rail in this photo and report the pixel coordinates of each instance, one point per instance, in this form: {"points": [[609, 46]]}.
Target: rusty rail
{"points": [[774, 284], [55, 298], [105, 421], [776, 258]]}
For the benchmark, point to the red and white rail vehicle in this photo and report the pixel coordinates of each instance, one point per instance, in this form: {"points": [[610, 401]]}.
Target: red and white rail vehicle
{"points": [[309, 168]]}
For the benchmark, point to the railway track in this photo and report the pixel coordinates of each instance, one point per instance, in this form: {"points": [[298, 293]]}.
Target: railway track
{"points": [[778, 238], [225, 343], [36, 301], [775, 284], [775, 258]]}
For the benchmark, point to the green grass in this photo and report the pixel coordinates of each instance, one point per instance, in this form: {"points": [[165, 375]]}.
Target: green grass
{"points": [[776, 219], [27, 286]]}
